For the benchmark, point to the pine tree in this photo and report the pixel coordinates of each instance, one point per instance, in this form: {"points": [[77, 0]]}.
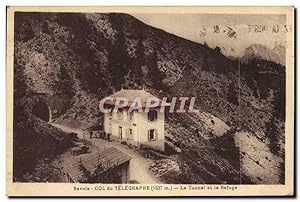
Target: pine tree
{"points": [[155, 74], [139, 62], [233, 95], [272, 132], [118, 60], [218, 49]]}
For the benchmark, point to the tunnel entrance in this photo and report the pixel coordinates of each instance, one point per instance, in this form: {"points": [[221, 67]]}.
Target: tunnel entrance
{"points": [[42, 111]]}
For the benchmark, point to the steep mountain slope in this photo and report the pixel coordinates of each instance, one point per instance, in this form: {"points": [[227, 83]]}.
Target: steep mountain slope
{"points": [[86, 57]]}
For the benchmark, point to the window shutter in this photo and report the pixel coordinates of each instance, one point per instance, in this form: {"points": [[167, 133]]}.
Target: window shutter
{"points": [[131, 116]]}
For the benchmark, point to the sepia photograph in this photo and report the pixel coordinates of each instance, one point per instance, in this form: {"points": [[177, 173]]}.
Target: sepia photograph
{"points": [[178, 99]]}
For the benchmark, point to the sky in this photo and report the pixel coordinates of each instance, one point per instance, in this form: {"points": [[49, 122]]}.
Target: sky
{"points": [[231, 32]]}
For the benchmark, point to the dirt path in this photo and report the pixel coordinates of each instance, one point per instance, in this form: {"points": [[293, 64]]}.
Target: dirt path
{"points": [[138, 165]]}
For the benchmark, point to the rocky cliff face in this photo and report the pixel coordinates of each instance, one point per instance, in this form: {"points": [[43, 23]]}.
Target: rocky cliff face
{"points": [[280, 50], [260, 51], [88, 56]]}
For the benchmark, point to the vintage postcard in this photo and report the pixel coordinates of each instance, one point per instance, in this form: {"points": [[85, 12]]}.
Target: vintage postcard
{"points": [[150, 101]]}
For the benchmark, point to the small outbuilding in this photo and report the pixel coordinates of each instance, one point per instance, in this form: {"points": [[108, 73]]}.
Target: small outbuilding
{"points": [[108, 166]]}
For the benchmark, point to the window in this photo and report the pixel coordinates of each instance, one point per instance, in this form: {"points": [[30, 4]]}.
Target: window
{"points": [[129, 134], [120, 114], [152, 115], [152, 134], [130, 116], [120, 132]]}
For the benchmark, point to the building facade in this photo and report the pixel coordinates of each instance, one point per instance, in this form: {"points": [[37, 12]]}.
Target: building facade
{"points": [[136, 128]]}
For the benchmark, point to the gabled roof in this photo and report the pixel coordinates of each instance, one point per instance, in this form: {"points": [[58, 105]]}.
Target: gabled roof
{"points": [[130, 95], [109, 157]]}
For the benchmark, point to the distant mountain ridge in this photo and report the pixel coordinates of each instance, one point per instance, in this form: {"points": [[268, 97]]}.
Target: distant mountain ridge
{"points": [[277, 54]]}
